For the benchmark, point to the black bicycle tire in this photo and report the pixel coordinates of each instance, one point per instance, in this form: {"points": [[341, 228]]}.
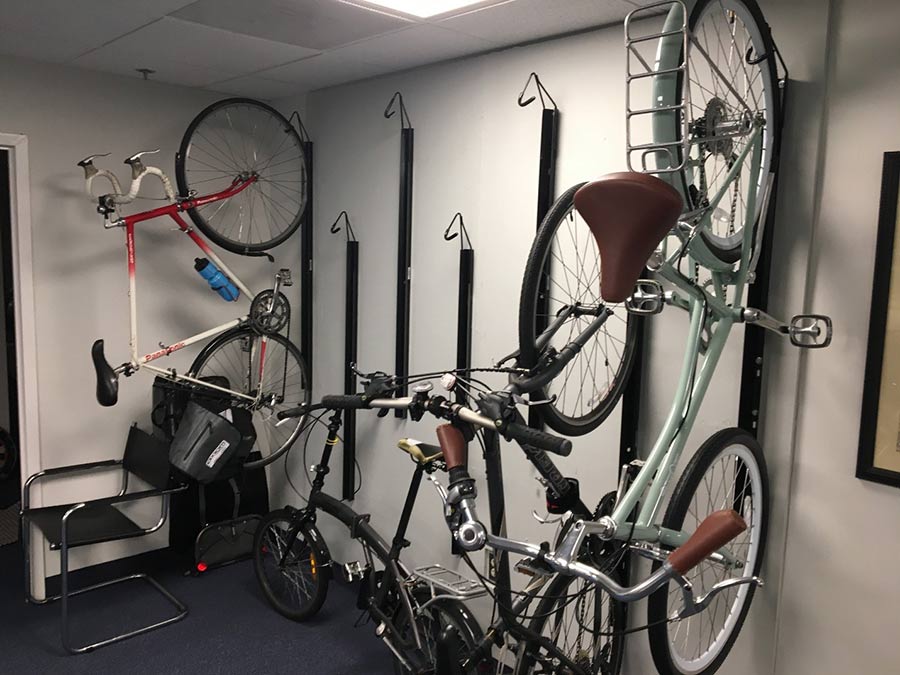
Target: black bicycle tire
{"points": [[733, 254], [657, 611], [184, 187], [290, 346], [550, 596], [528, 353], [322, 578]]}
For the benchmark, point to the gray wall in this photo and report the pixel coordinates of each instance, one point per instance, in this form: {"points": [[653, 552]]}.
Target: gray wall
{"points": [[838, 610], [80, 269]]}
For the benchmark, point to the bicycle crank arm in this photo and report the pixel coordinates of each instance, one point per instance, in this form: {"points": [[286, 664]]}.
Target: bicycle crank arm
{"points": [[696, 605], [810, 331]]}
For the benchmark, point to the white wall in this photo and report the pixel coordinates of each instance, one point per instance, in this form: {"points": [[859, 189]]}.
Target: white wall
{"points": [[476, 152], [839, 606], [79, 268]]}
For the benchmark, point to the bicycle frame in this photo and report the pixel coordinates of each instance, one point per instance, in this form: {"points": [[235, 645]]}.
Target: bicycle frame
{"points": [[174, 211]]}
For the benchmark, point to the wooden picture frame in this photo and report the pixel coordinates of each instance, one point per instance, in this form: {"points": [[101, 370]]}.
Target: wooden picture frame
{"points": [[878, 458]]}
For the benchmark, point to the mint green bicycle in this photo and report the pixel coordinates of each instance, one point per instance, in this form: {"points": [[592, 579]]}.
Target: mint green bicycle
{"points": [[691, 210]]}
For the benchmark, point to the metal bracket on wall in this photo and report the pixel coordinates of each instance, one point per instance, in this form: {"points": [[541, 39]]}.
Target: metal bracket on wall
{"points": [[546, 190], [404, 241], [306, 255], [351, 324], [464, 313]]}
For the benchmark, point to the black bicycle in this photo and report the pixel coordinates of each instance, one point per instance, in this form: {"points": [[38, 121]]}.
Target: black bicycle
{"points": [[419, 614], [557, 624]]}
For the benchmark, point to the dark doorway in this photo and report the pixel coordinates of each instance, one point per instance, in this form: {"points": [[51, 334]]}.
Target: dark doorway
{"points": [[9, 408]]}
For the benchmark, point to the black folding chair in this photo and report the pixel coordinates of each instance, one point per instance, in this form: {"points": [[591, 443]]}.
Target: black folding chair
{"points": [[66, 526]]}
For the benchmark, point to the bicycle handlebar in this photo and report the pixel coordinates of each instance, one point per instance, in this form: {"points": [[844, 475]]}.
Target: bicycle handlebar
{"points": [[118, 196]]}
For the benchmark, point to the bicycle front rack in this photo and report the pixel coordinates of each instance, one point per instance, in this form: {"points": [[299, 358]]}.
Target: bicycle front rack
{"points": [[666, 116]]}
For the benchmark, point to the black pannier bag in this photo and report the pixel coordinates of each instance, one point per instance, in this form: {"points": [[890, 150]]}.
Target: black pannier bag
{"points": [[211, 444]]}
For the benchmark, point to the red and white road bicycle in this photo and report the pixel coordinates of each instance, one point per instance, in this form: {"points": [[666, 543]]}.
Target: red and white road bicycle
{"points": [[241, 176]]}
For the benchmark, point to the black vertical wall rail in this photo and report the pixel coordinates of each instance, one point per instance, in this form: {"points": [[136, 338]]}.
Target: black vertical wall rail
{"points": [[351, 326], [350, 358], [404, 242], [546, 193], [464, 307], [306, 257], [758, 297]]}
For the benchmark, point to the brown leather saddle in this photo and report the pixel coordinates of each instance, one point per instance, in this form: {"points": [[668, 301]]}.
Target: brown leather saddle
{"points": [[629, 213]]}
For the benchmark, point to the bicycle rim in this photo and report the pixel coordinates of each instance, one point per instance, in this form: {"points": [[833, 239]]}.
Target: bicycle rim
{"points": [[236, 356], [232, 140], [727, 89], [288, 572], [563, 270], [727, 473]]}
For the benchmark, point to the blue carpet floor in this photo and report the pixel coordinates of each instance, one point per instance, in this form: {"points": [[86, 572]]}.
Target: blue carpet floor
{"points": [[229, 629]]}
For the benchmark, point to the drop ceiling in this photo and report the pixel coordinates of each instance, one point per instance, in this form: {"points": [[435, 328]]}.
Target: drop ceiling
{"points": [[275, 48]]}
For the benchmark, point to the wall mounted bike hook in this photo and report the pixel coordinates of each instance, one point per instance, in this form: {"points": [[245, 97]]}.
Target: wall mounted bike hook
{"points": [[335, 228], [390, 110], [541, 90], [464, 241], [304, 134]]}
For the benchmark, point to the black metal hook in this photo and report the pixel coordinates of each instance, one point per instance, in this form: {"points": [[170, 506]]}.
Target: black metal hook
{"points": [[541, 90], [389, 112], [465, 241], [351, 235], [304, 134], [754, 61]]}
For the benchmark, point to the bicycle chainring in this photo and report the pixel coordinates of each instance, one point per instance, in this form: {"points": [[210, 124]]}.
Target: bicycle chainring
{"points": [[269, 314]]}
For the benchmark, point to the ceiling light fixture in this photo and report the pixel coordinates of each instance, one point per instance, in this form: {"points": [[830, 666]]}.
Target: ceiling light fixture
{"points": [[424, 9]]}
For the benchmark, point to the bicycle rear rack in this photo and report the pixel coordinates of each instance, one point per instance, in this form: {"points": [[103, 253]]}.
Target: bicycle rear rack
{"points": [[448, 582], [665, 115]]}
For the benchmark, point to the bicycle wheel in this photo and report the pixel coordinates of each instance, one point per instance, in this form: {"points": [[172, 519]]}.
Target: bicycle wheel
{"points": [[289, 572], [577, 617], [235, 139], [236, 355], [445, 617], [563, 270], [728, 471], [732, 81]]}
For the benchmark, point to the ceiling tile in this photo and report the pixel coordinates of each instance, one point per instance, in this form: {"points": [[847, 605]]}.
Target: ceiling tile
{"points": [[415, 46], [317, 24], [325, 70], [523, 20], [170, 43], [60, 30], [257, 87]]}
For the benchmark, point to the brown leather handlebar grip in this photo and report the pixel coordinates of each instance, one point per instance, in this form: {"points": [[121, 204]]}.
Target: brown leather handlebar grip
{"points": [[716, 530], [453, 445]]}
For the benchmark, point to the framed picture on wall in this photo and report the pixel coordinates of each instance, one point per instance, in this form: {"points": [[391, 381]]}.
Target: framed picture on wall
{"points": [[879, 437]]}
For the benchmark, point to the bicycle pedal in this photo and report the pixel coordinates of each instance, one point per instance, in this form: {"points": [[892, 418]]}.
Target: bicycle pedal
{"points": [[534, 568], [647, 299], [285, 275], [353, 570], [810, 331]]}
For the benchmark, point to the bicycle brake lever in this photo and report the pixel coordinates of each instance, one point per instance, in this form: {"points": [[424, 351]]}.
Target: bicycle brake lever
{"points": [[90, 159], [694, 605]]}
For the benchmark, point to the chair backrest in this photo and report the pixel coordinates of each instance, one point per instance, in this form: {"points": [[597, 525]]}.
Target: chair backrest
{"points": [[147, 458]]}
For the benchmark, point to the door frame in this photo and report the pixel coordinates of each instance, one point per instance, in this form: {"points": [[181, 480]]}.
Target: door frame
{"points": [[26, 334]]}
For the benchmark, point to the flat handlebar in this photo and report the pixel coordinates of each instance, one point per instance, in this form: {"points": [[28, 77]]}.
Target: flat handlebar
{"points": [[516, 432]]}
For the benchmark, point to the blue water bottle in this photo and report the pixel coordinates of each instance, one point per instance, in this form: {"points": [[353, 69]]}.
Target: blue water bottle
{"points": [[217, 281]]}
